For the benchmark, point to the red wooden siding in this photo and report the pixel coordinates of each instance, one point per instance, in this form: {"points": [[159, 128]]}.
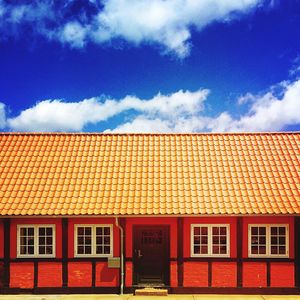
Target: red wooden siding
{"points": [[106, 276], [282, 274], [1, 239], [80, 274], [22, 275], [224, 274], [195, 274], [50, 274], [254, 274]]}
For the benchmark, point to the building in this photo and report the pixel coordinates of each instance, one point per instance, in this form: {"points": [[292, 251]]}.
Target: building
{"points": [[197, 213]]}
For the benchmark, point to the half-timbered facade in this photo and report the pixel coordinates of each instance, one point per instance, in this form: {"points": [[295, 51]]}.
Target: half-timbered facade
{"points": [[114, 212]]}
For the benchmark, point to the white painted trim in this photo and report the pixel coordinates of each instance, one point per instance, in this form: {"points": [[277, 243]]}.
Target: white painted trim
{"points": [[209, 242], [36, 240], [94, 226], [268, 241]]}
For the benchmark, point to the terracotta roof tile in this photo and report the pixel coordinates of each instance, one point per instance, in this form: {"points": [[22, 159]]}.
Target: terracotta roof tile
{"points": [[139, 174]]}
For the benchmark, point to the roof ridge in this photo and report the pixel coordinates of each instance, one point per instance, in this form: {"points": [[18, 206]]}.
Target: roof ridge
{"points": [[149, 134]]}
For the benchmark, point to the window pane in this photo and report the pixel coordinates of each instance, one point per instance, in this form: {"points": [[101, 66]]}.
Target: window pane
{"points": [[107, 240], [42, 231], [196, 249], [49, 240], [282, 250], [262, 250], [204, 230], [42, 241], [223, 240], [99, 240], [204, 250], [254, 250], [262, 230], [215, 230], [222, 230], [204, 240], [262, 240], [99, 231], [215, 240], [30, 250], [88, 231], [99, 249], [23, 250], [196, 240], [223, 250], [42, 250], [49, 250], [106, 249], [80, 250], [254, 230], [30, 231], [282, 241], [196, 230], [49, 231], [274, 240], [282, 230], [80, 230], [106, 230], [30, 241], [274, 230], [215, 249], [88, 250], [274, 250]]}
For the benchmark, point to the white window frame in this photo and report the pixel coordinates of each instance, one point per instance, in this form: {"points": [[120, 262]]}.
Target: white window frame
{"points": [[36, 240], [268, 240], [209, 242], [93, 254]]}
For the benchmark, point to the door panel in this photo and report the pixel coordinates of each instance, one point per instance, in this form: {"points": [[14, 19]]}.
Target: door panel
{"points": [[151, 255]]}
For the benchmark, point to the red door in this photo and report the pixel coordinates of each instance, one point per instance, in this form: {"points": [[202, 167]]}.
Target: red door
{"points": [[151, 255]]}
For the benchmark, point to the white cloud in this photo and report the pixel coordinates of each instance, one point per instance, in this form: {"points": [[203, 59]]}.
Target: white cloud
{"points": [[2, 115], [74, 34], [267, 113], [167, 23], [56, 115], [182, 111]]}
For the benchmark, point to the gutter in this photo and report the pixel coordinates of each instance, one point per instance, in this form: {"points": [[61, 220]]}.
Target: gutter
{"points": [[121, 255]]}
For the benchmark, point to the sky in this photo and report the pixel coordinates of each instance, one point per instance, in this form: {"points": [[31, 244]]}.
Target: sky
{"points": [[150, 65]]}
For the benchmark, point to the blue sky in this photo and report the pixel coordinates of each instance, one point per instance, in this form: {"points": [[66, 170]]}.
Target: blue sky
{"points": [[150, 65]]}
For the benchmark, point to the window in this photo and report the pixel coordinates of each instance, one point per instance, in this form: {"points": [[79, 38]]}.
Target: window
{"points": [[268, 240], [93, 240], [209, 240], [36, 240]]}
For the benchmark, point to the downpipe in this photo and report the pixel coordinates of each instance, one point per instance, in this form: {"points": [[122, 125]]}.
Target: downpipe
{"points": [[121, 255]]}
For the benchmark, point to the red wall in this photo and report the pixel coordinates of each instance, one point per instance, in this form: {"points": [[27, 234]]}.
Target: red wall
{"points": [[1, 239], [224, 274]]}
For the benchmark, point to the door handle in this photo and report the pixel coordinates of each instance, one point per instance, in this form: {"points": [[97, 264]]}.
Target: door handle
{"points": [[139, 254]]}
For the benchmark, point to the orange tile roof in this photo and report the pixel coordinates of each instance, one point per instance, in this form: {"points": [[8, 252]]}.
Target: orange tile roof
{"points": [[149, 174]]}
